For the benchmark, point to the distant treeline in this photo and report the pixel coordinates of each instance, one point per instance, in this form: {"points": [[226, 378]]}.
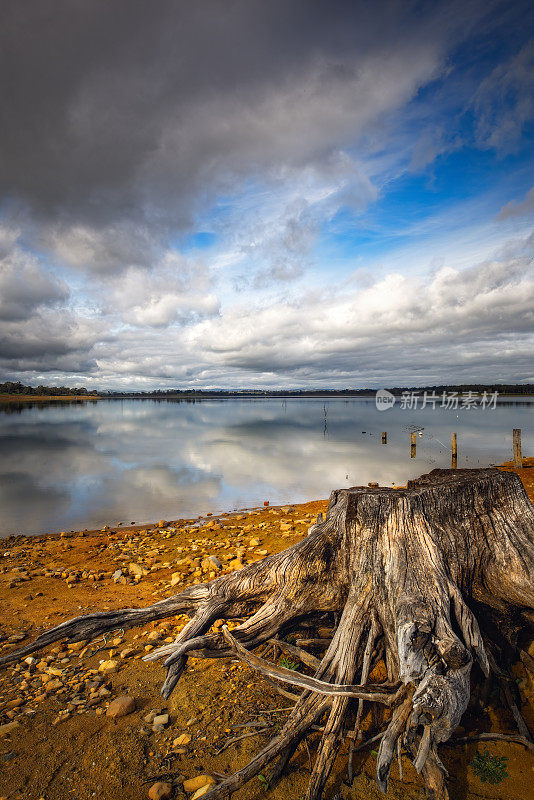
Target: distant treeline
{"points": [[501, 388], [18, 388], [50, 391]]}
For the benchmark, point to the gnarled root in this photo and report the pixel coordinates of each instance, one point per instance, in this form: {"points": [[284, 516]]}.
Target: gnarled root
{"points": [[402, 570]]}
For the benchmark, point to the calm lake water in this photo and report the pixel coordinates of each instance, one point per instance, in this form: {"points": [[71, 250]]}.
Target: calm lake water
{"points": [[75, 466]]}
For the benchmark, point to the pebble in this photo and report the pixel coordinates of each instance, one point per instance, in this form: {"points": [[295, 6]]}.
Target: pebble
{"points": [[108, 666], [160, 721], [184, 738], [136, 569], [121, 707], [160, 790]]}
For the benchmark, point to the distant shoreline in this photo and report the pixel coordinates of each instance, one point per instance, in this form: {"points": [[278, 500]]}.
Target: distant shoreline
{"points": [[46, 398], [206, 395]]}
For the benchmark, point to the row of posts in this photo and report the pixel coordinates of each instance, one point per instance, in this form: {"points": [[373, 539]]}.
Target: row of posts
{"points": [[518, 460]]}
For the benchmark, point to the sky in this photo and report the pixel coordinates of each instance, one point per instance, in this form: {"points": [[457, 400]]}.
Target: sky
{"points": [[292, 193]]}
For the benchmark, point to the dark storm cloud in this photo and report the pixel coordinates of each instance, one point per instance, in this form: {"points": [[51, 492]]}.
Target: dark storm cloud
{"points": [[24, 287], [125, 109]]}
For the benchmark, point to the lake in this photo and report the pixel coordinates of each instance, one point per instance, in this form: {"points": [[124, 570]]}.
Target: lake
{"points": [[84, 465]]}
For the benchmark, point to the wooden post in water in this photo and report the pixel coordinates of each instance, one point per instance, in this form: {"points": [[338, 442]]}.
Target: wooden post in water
{"points": [[384, 437], [518, 461], [454, 451], [412, 445]]}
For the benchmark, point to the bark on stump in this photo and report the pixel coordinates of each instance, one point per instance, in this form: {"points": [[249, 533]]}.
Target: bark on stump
{"points": [[429, 579]]}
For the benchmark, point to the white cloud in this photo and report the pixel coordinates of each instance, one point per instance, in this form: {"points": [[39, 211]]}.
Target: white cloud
{"points": [[398, 320], [176, 290]]}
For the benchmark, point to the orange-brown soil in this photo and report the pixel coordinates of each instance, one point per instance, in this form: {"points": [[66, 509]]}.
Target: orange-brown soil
{"points": [[66, 747]]}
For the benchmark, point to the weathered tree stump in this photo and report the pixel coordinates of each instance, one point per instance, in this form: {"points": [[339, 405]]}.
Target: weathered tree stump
{"points": [[429, 579]]}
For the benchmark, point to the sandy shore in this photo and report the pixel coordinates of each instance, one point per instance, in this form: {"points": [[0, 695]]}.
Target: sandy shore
{"points": [[63, 745]]}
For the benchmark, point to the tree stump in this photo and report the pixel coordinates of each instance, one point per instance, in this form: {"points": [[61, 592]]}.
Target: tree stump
{"points": [[429, 579]]}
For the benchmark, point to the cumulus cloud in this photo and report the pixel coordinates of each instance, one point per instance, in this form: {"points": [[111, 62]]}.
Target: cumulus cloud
{"points": [[102, 250], [24, 285], [486, 309], [50, 341], [176, 289]]}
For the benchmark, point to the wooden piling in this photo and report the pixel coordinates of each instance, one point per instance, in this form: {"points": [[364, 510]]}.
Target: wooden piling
{"points": [[518, 460], [412, 445], [384, 437], [454, 451]]}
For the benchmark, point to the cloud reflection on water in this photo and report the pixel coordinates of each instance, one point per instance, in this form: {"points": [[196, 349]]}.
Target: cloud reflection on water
{"points": [[76, 466]]}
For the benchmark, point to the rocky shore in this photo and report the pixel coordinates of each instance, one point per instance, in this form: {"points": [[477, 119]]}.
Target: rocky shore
{"points": [[86, 720]]}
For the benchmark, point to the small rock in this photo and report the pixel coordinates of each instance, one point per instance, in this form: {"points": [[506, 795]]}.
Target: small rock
{"points": [[127, 652], [162, 523], [193, 784], [184, 738], [77, 646], [136, 569], [108, 666], [117, 575], [254, 542], [160, 721], [160, 790], [121, 707]]}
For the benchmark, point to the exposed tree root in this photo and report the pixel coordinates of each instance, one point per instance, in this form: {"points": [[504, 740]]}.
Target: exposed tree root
{"points": [[403, 571]]}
